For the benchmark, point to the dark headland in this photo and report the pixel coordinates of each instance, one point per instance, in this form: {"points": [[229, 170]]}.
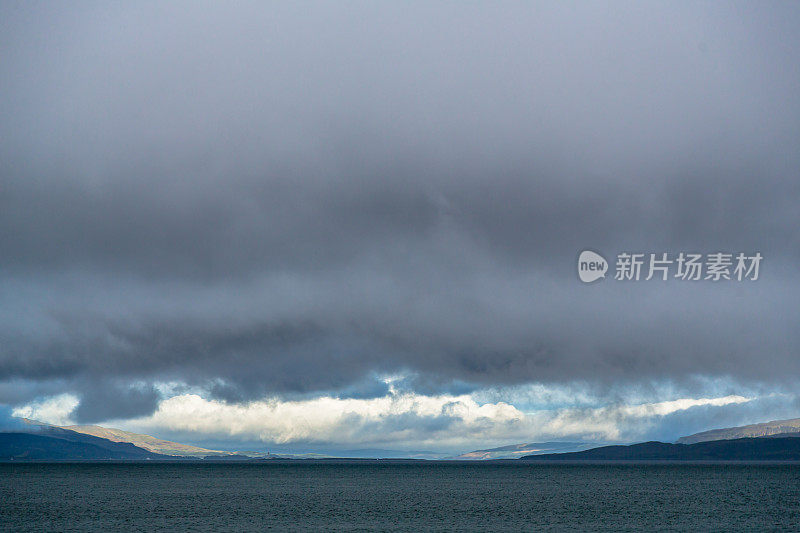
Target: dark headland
{"points": [[772, 448]]}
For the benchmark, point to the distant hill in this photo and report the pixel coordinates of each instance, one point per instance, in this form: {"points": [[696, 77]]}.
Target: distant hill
{"points": [[49, 446], [177, 450], [516, 451], [753, 430], [747, 449], [147, 442]]}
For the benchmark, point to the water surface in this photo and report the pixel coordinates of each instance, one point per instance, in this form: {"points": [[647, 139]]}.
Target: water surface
{"points": [[398, 497]]}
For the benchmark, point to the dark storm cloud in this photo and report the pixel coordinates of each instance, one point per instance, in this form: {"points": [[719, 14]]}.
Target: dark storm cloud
{"points": [[105, 401], [285, 200]]}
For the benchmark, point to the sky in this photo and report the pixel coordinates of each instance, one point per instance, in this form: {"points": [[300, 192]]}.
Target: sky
{"points": [[354, 225]]}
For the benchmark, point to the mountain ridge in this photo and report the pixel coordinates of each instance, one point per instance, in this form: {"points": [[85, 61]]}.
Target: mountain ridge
{"points": [[745, 449], [147, 442], [54, 446], [762, 429], [515, 451]]}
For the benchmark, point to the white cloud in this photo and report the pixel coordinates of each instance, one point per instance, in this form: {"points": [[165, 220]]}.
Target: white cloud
{"points": [[669, 407], [54, 410], [618, 421], [406, 419], [398, 419]]}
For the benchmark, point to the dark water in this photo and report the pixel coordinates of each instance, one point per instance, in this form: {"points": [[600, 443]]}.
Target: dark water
{"points": [[398, 497]]}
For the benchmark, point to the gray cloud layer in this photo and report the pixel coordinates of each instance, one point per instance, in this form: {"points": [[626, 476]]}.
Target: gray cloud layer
{"points": [[288, 199]]}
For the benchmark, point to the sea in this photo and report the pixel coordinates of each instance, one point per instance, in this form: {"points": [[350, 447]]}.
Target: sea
{"points": [[399, 496]]}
